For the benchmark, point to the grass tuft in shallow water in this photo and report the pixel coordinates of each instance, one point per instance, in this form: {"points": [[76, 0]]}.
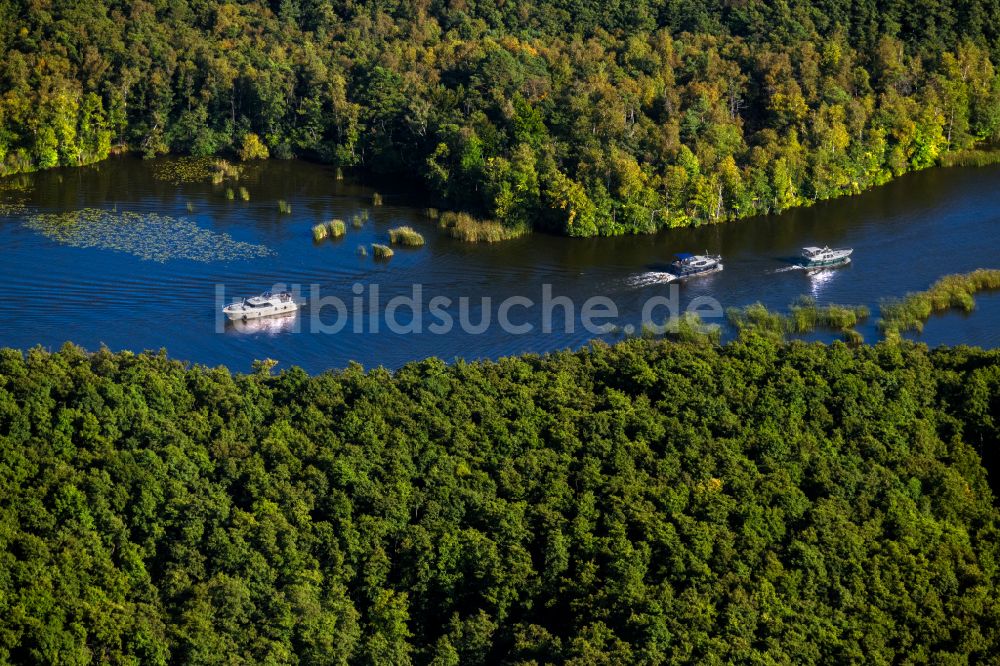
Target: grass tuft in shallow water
{"points": [[320, 231], [405, 236], [805, 316], [467, 228], [383, 252], [337, 228], [970, 158]]}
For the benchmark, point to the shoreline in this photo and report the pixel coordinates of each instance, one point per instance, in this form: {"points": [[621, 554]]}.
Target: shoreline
{"points": [[968, 159]]}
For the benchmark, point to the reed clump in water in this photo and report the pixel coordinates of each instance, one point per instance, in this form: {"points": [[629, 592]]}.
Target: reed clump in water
{"points": [[320, 231], [383, 252], [376, 199], [230, 194], [758, 318], [362, 251], [467, 228], [337, 228], [357, 221], [807, 316], [971, 158], [222, 171], [950, 292], [405, 236], [432, 213], [853, 338], [228, 170], [284, 207], [690, 328], [244, 194]]}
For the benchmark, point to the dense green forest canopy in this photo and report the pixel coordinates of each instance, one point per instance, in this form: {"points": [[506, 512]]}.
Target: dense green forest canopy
{"points": [[582, 117], [650, 502]]}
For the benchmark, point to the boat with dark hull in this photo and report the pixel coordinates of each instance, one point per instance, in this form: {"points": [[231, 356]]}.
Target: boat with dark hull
{"points": [[818, 257], [687, 265]]}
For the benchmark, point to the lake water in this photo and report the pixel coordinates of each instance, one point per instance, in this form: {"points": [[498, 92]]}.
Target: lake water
{"points": [[905, 235]]}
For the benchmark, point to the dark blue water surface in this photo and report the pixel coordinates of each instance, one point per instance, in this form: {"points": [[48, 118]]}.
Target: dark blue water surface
{"points": [[905, 235]]}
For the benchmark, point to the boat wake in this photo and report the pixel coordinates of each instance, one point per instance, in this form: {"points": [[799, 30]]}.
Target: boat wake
{"points": [[651, 278], [785, 269]]}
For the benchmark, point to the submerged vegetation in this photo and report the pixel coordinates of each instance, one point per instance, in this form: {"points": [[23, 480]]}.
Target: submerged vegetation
{"points": [[185, 170], [405, 236], [950, 292], [467, 228], [12, 208], [380, 251], [13, 192], [649, 502], [145, 235]]}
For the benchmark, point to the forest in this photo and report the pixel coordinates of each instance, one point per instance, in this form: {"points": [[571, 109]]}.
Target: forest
{"points": [[649, 502], [572, 116]]}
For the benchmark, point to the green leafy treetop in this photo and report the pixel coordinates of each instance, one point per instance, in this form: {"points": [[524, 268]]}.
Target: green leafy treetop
{"points": [[651, 502]]}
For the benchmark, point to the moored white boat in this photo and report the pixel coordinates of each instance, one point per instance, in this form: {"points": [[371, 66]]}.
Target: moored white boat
{"points": [[813, 257], [265, 305]]}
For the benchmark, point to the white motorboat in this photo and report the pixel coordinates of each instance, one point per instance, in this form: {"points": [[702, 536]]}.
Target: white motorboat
{"points": [[689, 265], [265, 305], [814, 257]]}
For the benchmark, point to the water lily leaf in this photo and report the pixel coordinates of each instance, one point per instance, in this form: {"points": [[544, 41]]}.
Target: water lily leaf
{"points": [[146, 235]]}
